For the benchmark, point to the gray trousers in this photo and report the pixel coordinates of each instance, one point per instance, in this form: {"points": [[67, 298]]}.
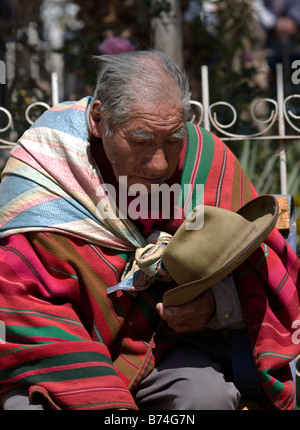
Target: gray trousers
{"points": [[187, 379]]}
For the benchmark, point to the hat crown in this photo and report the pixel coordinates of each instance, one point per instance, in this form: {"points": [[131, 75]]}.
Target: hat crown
{"points": [[196, 259], [197, 253]]}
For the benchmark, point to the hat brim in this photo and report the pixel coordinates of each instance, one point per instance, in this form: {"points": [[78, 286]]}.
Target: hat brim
{"points": [[266, 221]]}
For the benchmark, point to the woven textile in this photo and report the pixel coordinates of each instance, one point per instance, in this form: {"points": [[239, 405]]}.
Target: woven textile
{"points": [[65, 337]]}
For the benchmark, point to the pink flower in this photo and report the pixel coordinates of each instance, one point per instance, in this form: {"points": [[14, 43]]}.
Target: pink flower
{"points": [[115, 45], [247, 56]]}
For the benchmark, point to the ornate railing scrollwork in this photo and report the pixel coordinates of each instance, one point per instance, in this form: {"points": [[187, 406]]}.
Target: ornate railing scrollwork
{"points": [[288, 113], [226, 135], [5, 144], [274, 117], [30, 121], [270, 120], [275, 113], [196, 118], [10, 125]]}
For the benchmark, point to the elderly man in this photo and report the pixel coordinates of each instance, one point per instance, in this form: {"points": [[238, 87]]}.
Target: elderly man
{"points": [[77, 336]]}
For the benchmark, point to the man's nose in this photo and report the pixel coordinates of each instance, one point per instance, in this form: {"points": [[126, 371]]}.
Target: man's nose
{"points": [[158, 162]]}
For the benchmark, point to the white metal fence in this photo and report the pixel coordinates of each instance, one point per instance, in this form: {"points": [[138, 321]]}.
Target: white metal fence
{"points": [[273, 127]]}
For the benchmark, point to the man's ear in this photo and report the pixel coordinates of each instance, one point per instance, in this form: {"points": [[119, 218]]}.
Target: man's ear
{"points": [[96, 119]]}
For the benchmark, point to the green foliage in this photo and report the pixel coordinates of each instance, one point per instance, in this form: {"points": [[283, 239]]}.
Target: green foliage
{"points": [[227, 47], [260, 161]]}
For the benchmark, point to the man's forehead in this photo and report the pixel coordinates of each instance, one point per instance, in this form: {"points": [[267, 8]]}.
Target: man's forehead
{"points": [[156, 116]]}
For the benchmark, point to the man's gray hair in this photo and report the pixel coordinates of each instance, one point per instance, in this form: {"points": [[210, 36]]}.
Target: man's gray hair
{"points": [[138, 77]]}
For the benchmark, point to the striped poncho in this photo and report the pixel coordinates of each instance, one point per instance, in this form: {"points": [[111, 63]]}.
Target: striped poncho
{"points": [[65, 338]]}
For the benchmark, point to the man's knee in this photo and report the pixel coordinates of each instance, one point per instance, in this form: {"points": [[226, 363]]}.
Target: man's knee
{"points": [[186, 382], [208, 392]]}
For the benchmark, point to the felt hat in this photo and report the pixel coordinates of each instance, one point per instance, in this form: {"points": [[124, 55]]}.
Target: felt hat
{"points": [[198, 258]]}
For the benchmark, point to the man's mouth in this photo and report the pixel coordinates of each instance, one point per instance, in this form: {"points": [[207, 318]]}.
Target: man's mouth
{"points": [[158, 180]]}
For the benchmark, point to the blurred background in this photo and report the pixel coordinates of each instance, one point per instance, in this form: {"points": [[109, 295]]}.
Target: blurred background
{"points": [[239, 40]]}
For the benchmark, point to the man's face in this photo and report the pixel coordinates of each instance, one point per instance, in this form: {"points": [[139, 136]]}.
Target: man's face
{"points": [[146, 150]]}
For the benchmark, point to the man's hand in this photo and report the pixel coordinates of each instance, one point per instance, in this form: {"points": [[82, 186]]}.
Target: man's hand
{"points": [[192, 316]]}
